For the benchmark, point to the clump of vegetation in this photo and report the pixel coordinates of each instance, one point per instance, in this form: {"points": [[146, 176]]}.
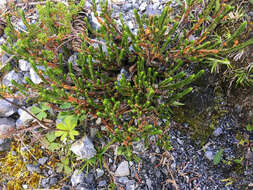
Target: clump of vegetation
{"points": [[14, 173], [129, 80]]}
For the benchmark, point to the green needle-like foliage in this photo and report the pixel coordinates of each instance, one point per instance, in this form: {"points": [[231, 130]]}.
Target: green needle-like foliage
{"points": [[119, 74]]}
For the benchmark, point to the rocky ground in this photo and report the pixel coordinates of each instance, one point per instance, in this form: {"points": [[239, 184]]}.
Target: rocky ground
{"points": [[190, 162]]}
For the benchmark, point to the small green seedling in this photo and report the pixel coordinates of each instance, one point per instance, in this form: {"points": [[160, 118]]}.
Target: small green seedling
{"points": [[67, 128], [40, 112], [64, 166], [49, 140], [217, 157], [249, 127]]}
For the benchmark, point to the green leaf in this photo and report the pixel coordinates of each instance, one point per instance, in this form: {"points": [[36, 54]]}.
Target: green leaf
{"points": [[67, 170], [60, 167], [41, 115], [68, 121], [66, 105], [239, 161], [217, 157], [73, 133], [249, 127], [65, 161], [44, 106], [61, 126], [59, 133], [35, 110], [54, 146], [50, 136], [64, 136]]}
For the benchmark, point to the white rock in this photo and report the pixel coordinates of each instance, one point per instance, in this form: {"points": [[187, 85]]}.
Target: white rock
{"points": [[123, 169], [98, 121], [24, 65], [130, 24], [94, 22], [77, 177], [73, 59], [6, 124], [143, 6], [12, 75], [7, 109], [130, 185], [34, 77], [118, 1], [4, 58], [2, 4], [217, 132], [84, 148], [123, 180], [24, 118], [209, 155], [99, 172]]}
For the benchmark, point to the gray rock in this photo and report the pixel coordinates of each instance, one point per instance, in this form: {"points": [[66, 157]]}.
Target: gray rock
{"points": [[94, 22], [251, 15], [42, 160], [143, 6], [3, 4], [73, 59], [152, 11], [217, 132], [77, 177], [156, 6], [130, 25], [130, 185], [34, 77], [127, 7], [123, 180], [21, 26], [102, 183], [149, 183], [83, 186], [123, 169], [45, 182], [6, 124], [24, 65], [84, 148], [98, 121], [93, 132], [2, 41], [6, 108], [249, 155], [139, 146], [24, 118], [50, 172], [90, 179], [12, 75], [53, 181], [125, 73], [99, 172], [173, 165], [181, 142], [33, 168], [5, 144], [4, 59], [209, 155]]}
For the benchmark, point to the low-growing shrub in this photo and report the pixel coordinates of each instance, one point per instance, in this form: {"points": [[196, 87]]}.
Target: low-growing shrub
{"points": [[128, 79]]}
